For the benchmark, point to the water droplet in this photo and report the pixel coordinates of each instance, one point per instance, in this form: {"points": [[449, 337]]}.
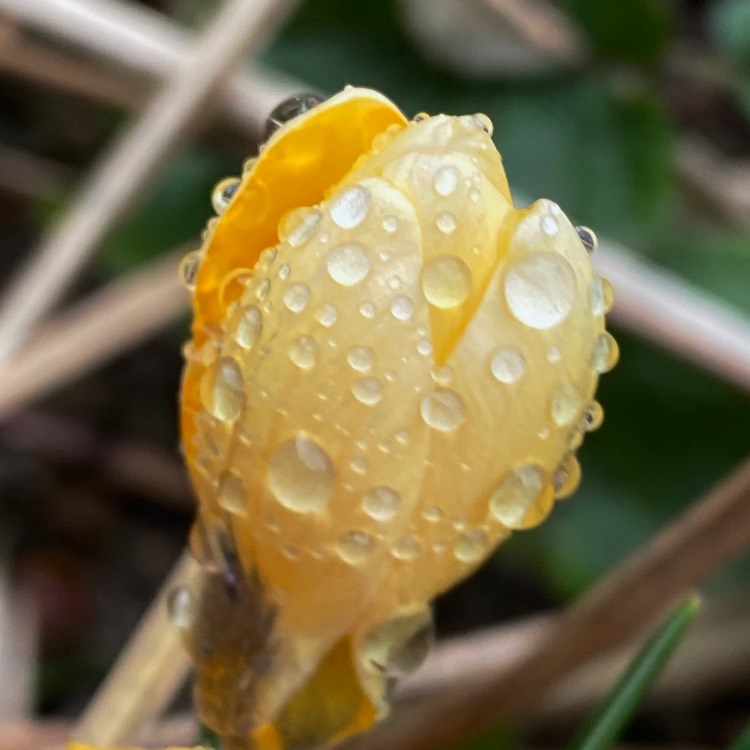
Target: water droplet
{"points": [[264, 287], [223, 193], [445, 180], [223, 390], [471, 546], [575, 439], [566, 404], [420, 117], [358, 464], [398, 647], [367, 309], [296, 297], [407, 548], [368, 391], [446, 282], [390, 224], [301, 475], [402, 307], [360, 358], [433, 514], [232, 493], [516, 495], [554, 355], [189, 267], [507, 364], [180, 607], [381, 503], [327, 315], [549, 225], [248, 327], [605, 354], [288, 110], [348, 264], [445, 221], [283, 272], [442, 374], [566, 477], [540, 290], [304, 352], [355, 547], [474, 194], [443, 410], [592, 417], [484, 122], [300, 226], [601, 296], [588, 238], [424, 347], [394, 283], [350, 209]]}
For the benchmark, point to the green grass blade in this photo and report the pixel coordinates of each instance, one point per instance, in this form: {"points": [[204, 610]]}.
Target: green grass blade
{"points": [[605, 725], [743, 740]]}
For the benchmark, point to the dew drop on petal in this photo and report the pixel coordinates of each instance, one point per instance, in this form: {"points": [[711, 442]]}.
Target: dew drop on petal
{"points": [[301, 475], [442, 374], [516, 495], [223, 193], [605, 354], [348, 264], [402, 307], [301, 225], [248, 327], [355, 547], [566, 477], [232, 494], [303, 352], [350, 208], [367, 309], [327, 315], [433, 514], [189, 267], [540, 290], [446, 282], [360, 358], [549, 225], [507, 364], [296, 297], [399, 646], [406, 548], [381, 503], [592, 417], [566, 405], [471, 546], [368, 391], [445, 221], [424, 347], [390, 224], [445, 180], [358, 464], [223, 390], [588, 238], [443, 410]]}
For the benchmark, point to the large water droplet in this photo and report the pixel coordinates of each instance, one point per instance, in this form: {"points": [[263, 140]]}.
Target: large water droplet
{"points": [[189, 267], [355, 547], [348, 264], [381, 503], [443, 410], [288, 110], [446, 281], [350, 209], [516, 495], [304, 352], [301, 475], [540, 290], [445, 180], [398, 647], [507, 364], [223, 193], [605, 354], [180, 607], [566, 404], [360, 358], [232, 493], [296, 297], [248, 327], [471, 546], [223, 390], [368, 391]]}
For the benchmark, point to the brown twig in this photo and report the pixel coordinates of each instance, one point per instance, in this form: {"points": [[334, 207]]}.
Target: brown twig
{"points": [[622, 604], [126, 169], [29, 175]]}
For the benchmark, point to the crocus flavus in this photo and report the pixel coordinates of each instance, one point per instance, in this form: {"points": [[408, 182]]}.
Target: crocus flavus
{"points": [[391, 369]]}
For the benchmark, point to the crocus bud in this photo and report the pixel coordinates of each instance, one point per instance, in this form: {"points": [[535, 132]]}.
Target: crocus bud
{"points": [[391, 369]]}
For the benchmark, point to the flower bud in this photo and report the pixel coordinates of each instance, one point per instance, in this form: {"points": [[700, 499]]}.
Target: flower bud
{"points": [[391, 369]]}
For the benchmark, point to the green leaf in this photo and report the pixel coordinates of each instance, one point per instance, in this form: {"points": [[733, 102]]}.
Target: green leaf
{"points": [[208, 738], [743, 740], [607, 723]]}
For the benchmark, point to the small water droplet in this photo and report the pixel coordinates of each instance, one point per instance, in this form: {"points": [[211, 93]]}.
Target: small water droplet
{"points": [[402, 307], [300, 226], [350, 208], [288, 110], [398, 647], [189, 267], [605, 354], [554, 355], [484, 122], [601, 296], [445, 221], [442, 374], [433, 514], [592, 417], [360, 358], [549, 225], [301, 475], [445, 180], [180, 607], [446, 282], [390, 224], [407, 548], [471, 546], [232, 493], [367, 309], [223, 390], [296, 297], [507, 364], [368, 391], [248, 327], [284, 271], [402, 436], [588, 238], [420, 117], [327, 315], [303, 352], [358, 465], [381, 503], [348, 264], [566, 477], [424, 347], [223, 193], [517, 494], [443, 410], [540, 290], [474, 194], [566, 404], [355, 547], [264, 287]]}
